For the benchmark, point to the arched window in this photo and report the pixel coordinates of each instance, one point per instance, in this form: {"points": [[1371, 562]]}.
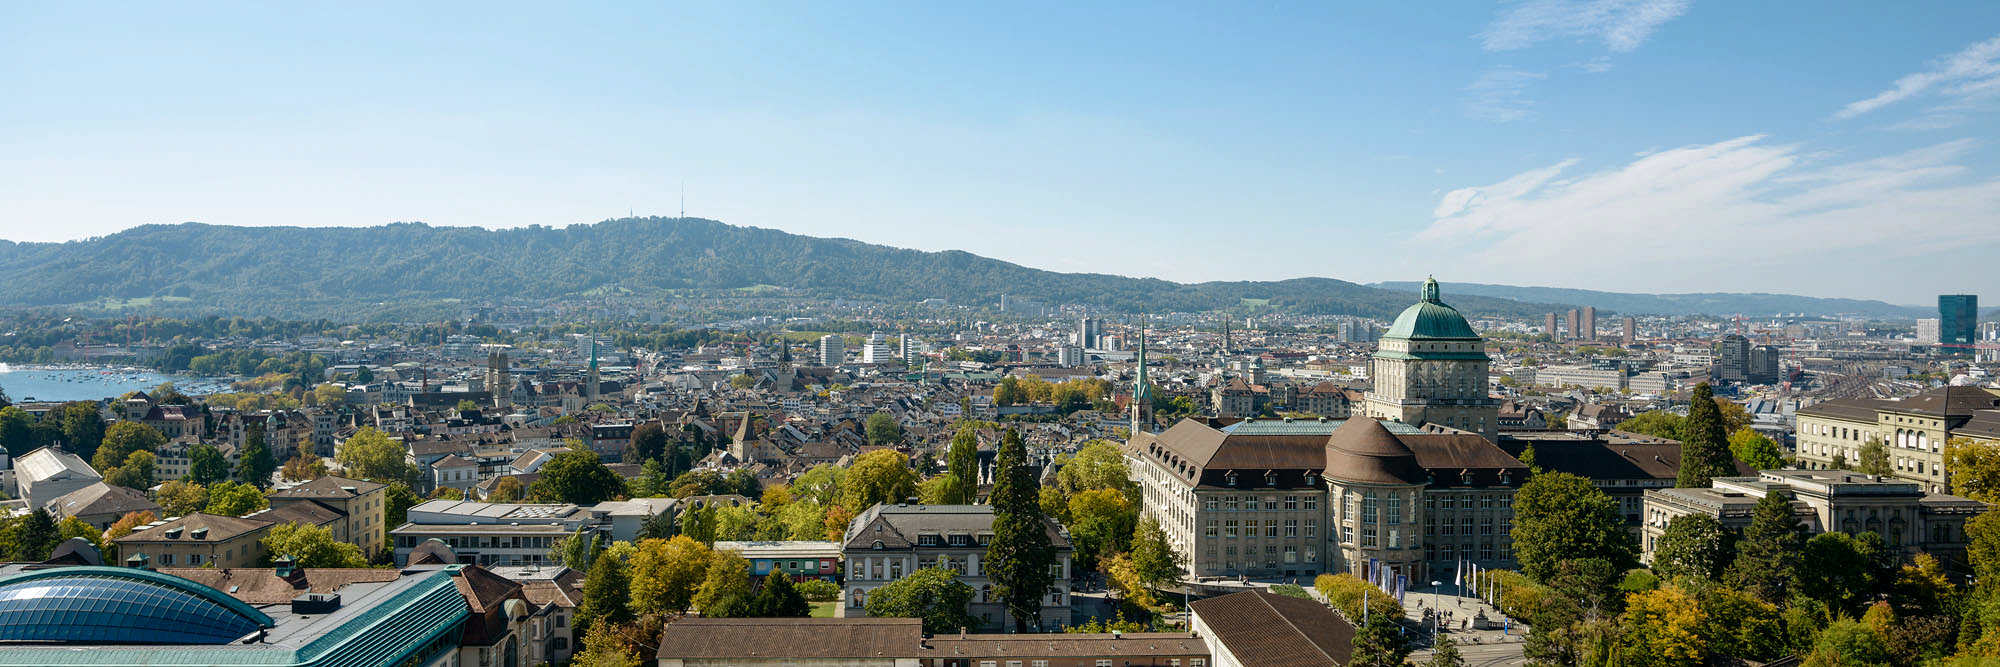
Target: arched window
{"points": [[857, 598]]}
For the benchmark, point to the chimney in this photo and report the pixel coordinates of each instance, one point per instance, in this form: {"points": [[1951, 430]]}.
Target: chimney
{"points": [[961, 632]]}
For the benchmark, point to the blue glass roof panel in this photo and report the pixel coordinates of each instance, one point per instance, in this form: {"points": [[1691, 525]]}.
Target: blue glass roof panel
{"points": [[119, 606]]}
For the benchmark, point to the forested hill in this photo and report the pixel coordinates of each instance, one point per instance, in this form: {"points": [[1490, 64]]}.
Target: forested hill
{"points": [[1706, 303], [311, 272]]}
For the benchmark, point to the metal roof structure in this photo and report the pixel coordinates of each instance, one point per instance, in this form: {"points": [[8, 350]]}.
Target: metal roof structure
{"points": [[1430, 318], [381, 623]]}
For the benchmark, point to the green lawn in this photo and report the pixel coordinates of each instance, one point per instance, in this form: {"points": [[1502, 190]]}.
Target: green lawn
{"points": [[823, 609]]}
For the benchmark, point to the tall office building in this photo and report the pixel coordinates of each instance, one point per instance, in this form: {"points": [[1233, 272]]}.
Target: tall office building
{"points": [[832, 351], [1087, 331], [1631, 334], [1930, 330], [1589, 331], [1958, 319], [1550, 328], [877, 350], [1575, 322], [1763, 367], [1732, 359]]}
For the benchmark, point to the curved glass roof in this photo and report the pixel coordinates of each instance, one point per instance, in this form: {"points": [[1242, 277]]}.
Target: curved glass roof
{"points": [[115, 605]]}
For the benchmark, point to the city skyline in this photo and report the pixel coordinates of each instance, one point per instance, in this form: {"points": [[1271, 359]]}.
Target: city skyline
{"points": [[1650, 146]]}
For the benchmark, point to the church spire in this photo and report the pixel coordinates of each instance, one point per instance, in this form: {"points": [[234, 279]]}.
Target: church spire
{"points": [[1142, 389]]}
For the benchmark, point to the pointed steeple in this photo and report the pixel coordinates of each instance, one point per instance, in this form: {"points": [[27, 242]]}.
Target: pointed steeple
{"points": [[1142, 389]]}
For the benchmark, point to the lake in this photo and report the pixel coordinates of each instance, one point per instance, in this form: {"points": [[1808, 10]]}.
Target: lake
{"points": [[44, 383]]}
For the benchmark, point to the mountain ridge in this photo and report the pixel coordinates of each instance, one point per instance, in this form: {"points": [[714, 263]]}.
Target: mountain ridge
{"points": [[1754, 304], [307, 271]]}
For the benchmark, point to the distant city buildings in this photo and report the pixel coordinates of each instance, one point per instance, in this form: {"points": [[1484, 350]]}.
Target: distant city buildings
{"points": [[877, 350], [832, 350], [1958, 319]]}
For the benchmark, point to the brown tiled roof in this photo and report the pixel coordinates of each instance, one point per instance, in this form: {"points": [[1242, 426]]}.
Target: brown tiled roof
{"points": [[1067, 645], [264, 586], [564, 591], [487, 594], [1268, 630], [777, 639], [220, 529], [1192, 441], [101, 498], [1362, 450], [330, 487], [307, 512], [1449, 455], [1852, 409], [1947, 401]]}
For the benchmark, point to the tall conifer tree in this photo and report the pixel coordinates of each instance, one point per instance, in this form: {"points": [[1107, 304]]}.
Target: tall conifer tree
{"points": [[1020, 556], [1767, 559], [1704, 443]]}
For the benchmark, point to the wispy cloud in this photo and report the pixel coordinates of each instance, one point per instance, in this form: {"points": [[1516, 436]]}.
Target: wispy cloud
{"points": [[1621, 24], [1965, 79], [1500, 96], [1713, 210]]}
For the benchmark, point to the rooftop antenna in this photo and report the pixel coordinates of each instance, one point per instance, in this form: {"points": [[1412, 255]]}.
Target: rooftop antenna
{"points": [[684, 199]]}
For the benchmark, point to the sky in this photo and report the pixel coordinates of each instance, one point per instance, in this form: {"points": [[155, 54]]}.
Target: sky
{"points": [[1820, 148]]}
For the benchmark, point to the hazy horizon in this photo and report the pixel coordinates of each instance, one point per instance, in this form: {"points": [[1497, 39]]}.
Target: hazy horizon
{"points": [[1655, 146]]}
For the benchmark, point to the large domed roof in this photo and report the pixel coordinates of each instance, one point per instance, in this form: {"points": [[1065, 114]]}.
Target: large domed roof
{"points": [[115, 605], [1363, 451], [1431, 318]]}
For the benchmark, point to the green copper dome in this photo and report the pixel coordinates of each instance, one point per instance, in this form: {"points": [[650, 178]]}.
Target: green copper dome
{"points": [[1430, 318]]}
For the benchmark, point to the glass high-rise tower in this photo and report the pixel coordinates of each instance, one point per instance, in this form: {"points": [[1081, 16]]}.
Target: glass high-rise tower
{"points": [[1958, 318]]}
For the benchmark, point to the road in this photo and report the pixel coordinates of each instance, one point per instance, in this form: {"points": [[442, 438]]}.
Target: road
{"points": [[1505, 654]]}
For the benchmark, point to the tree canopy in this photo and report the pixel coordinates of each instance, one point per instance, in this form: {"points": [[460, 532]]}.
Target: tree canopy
{"points": [[577, 477], [933, 594], [1559, 516]]}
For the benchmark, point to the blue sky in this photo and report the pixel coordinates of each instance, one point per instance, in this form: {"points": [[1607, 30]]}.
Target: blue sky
{"points": [[1832, 149]]}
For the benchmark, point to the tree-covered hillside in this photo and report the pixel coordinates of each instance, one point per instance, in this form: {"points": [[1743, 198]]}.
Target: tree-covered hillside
{"points": [[292, 271]]}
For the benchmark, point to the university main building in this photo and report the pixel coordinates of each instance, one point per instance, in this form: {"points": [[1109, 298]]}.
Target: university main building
{"points": [[1417, 484]]}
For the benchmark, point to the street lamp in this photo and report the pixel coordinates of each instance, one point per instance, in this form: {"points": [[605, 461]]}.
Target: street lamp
{"points": [[1437, 600]]}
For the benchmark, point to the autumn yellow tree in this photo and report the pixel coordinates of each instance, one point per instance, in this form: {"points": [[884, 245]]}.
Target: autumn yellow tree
{"points": [[1662, 629], [666, 573]]}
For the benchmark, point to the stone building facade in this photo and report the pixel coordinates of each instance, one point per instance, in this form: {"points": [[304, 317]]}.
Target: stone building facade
{"points": [[1431, 368]]}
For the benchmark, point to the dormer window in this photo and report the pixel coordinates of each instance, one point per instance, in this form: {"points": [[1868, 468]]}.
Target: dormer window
{"points": [[1312, 479], [1270, 479], [927, 540], [1230, 479]]}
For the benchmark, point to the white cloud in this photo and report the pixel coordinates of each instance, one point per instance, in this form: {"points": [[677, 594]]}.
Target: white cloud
{"points": [[1621, 24], [1729, 213], [1967, 79], [1499, 95]]}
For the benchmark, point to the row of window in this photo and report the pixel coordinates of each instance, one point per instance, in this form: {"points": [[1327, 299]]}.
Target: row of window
{"points": [[1171, 662], [1446, 527], [1271, 479], [1253, 503], [1452, 502], [1270, 551], [1450, 552], [1229, 528]]}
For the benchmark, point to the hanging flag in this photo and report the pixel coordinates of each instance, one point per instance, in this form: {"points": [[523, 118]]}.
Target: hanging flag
{"points": [[1475, 580], [1402, 586], [1458, 574], [1364, 607]]}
